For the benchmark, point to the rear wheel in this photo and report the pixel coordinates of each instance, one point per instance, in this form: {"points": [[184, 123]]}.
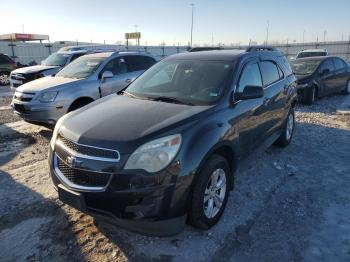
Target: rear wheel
{"points": [[309, 95], [4, 78], [288, 130], [210, 193], [346, 91]]}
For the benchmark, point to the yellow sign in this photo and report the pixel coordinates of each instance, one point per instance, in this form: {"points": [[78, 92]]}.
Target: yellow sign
{"points": [[135, 35]]}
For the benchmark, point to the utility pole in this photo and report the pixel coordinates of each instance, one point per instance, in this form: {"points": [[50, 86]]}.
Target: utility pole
{"points": [[324, 35], [212, 39], [192, 5], [23, 29], [303, 37], [267, 31]]}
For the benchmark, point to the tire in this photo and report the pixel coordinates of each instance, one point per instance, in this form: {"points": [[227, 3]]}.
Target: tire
{"points": [[201, 215], [346, 91], [4, 78], [309, 95], [288, 130]]}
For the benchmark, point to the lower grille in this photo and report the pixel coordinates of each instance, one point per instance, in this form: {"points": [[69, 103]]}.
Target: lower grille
{"points": [[83, 177]]}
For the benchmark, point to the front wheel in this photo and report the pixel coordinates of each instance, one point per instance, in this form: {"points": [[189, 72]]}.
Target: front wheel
{"points": [[210, 193], [288, 130], [4, 78]]}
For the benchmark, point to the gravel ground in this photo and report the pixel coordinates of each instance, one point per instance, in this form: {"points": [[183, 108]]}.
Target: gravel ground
{"points": [[289, 204]]}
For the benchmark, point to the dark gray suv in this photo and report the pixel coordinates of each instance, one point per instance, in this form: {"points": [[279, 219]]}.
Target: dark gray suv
{"points": [[166, 150]]}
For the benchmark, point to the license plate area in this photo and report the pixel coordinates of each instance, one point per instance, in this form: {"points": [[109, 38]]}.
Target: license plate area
{"points": [[71, 198]]}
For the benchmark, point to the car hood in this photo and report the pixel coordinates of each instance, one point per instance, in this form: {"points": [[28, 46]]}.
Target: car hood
{"points": [[117, 122], [33, 69], [45, 83]]}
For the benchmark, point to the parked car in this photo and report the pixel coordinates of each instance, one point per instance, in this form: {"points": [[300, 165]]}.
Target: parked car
{"points": [[50, 66], [6, 66], [90, 77], [311, 53], [169, 145], [321, 76]]}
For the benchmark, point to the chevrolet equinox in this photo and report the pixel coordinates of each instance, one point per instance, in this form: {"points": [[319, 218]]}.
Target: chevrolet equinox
{"points": [[164, 151]]}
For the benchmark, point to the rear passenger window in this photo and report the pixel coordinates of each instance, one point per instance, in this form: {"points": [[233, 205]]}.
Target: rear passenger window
{"points": [[116, 66], [327, 64], [249, 77], [339, 64], [137, 63], [75, 56], [269, 72]]}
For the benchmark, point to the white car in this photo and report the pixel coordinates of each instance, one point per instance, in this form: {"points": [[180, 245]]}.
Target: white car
{"points": [[311, 53]]}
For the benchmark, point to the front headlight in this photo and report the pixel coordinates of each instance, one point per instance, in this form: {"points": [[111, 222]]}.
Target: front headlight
{"points": [[155, 155], [56, 130], [48, 96]]}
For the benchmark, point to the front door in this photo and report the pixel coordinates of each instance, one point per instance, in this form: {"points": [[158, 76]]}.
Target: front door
{"points": [[250, 122], [326, 79], [120, 79]]}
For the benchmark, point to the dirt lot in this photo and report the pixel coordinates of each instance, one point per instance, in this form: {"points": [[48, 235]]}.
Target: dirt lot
{"points": [[289, 204]]}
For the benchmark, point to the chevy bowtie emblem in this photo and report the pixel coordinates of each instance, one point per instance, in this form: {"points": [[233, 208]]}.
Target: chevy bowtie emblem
{"points": [[73, 162]]}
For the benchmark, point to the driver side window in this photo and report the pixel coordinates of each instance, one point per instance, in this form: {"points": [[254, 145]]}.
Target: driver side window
{"points": [[250, 76], [117, 66]]}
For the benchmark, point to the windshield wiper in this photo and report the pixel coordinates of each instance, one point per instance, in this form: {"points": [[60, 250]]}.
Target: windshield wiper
{"points": [[171, 100]]}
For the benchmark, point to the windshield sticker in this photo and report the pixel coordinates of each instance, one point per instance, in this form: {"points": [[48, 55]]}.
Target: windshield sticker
{"points": [[213, 94], [226, 66]]}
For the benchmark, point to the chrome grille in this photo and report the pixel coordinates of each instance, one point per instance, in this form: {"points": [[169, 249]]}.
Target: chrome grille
{"points": [[89, 150], [82, 177], [24, 97]]}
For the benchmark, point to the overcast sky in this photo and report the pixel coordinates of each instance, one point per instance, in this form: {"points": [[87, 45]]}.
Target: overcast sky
{"points": [[169, 21]]}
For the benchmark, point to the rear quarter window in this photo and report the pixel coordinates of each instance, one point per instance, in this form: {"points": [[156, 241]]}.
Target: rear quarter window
{"points": [[285, 65]]}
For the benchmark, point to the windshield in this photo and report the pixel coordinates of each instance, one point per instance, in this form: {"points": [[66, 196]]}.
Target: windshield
{"points": [[56, 60], [311, 54], [81, 67], [188, 82], [304, 67]]}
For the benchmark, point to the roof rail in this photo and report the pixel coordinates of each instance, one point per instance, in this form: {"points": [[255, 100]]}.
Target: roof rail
{"points": [[204, 48], [260, 48]]}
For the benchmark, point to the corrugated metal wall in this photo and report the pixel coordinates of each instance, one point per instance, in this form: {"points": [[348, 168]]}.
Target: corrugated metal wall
{"points": [[28, 52]]}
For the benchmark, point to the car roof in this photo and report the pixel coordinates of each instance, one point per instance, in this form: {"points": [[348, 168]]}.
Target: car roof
{"points": [[219, 55], [72, 52], [314, 50], [223, 55], [116, 53], [314, 58]]}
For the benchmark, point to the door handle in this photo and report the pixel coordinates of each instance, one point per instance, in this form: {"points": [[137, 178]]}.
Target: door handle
{"points": [[128, 80]]}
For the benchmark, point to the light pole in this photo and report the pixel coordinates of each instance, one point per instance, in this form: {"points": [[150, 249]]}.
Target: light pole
{"points": [[303, 37], [192, 5], [267, 31]]}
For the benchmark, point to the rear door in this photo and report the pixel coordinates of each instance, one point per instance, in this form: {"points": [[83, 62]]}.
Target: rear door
{"points": [[274, 95], [327, 81], [341, 73], [119, 81]]}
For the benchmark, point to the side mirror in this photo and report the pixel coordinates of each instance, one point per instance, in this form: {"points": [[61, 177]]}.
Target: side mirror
{"points": [[106, 74], [325, 72], [250, 92]]}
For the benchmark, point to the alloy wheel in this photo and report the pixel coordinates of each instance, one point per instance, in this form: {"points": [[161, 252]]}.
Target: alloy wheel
{"points": [[214, 193], [4, 79], [290, 126]]}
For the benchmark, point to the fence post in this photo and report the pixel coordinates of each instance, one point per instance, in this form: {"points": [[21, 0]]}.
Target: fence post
{"points": [[12, 49], [347, 52]]}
